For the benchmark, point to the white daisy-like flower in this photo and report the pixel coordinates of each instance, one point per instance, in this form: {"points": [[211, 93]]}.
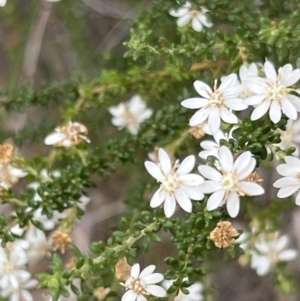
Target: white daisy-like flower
{"points": [[130, 114], [211, 148], [273, 93], [290, 183], [177, 183], [38, 244], [244, 73], [216, 105], [69, 135], [143, 283], [290, 137], [269, 250], [186, 13], [20, 292], [13, 259], [195, 291], [10, 175], [227, 185]]}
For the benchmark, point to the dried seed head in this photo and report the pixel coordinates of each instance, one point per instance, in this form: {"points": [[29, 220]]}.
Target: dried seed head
{"points": [[197, 132], [254, 177], [122, 269], [101, 292], [61, 241], [6, 153], [71, 263], [223, 235], [75, 133]]}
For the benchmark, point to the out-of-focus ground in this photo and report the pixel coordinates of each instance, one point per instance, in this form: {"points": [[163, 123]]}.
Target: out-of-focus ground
{"points": [[42, 42]]}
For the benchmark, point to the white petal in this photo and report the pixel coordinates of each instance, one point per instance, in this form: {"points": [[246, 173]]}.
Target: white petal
{"points": [[228, 116], [193, 192], [203, 89], [199, 117], [236, 104], [289, 109], [210, 173], [194, 103], [242, 162], [196, 24], [291, 78], [270, 71], [215, 200], [54, 138], [179, 12], [157, 199], [251, 188], [275, 112], [282, 242], [191, 179], [186, 165], [169, 205], [292, 162], [135, 270], [287, 181], [3, 3], [214, 120], [288, 255], [264, 266], [297, 201], [225, 158], [129, 296], [156, 290], [153, 278], [233, 92], [154, 170], [228, 82], [141, 298], [255, 85], [18, 173], [233, 204], [294, 100], [286, 191], [183, 201], [203, 19], [164, 161], [147, 271], [260, 110], [184, 20], [254, 100], [210, 186]]}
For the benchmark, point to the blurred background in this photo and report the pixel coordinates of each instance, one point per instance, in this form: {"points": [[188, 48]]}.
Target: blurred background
{"points": [[42, 42]]}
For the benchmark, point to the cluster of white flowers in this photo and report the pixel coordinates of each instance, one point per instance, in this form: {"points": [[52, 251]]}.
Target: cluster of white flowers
{"points": [[130, 114], [186, 13], [15, 280], [267, 250]]}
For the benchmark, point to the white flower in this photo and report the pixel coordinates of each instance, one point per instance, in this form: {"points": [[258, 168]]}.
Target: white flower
{"points": [[272, 93], [228, 184], [38, 244], [186, 13], [20, 292], [12, 265], [143, 283], [217, 104], [290, 183], [290, 137], [269, 250], [130, 114], [195, 291], [10, 175], [211, 148], [69, 135], [177, 183], [244, 73]]}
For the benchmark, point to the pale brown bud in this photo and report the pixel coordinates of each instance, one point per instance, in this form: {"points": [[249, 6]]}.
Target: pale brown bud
{"points": [[122, 269], [254, 177], [61, 241], [223, 235], [101, 292], [71, 263], [197, 132], [6, 153]]}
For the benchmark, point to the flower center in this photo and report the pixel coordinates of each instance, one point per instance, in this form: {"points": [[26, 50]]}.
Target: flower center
{"points": [[9, 268], [130, 118], [277, 92], [230, 182], [170, 182], [138, 286]]}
